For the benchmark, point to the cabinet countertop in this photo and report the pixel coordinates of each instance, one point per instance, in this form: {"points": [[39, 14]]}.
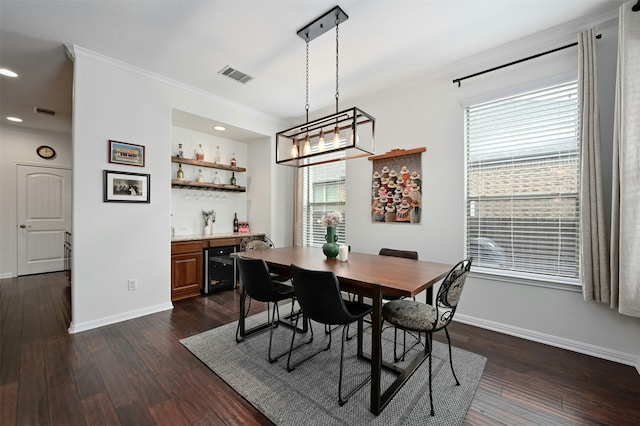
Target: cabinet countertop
{"points": [[196, 237]]}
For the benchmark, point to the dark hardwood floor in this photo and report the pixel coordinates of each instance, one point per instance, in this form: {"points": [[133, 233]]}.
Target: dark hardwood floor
{"points": [[136, 372]]}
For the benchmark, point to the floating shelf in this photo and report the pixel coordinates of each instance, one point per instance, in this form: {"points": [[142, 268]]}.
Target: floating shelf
{"points": [[206, 186], [207, 164]]}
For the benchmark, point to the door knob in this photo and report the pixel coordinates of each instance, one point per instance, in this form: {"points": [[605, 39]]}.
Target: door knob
{"points": [[25, 226]]}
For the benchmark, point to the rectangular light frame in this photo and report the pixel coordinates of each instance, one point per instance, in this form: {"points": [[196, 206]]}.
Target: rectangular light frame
{"points": [[352, 121]]}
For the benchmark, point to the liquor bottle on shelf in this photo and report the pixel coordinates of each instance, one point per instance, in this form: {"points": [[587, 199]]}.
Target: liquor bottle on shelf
{"points": [[200, 153], [216, 179], [233, 159], [180, 153], [200, 176], [235, 223], [233, 178], [217, 159], [180, 174]]}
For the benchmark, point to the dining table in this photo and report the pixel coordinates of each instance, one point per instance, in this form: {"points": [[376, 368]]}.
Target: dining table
{"points": [[367, 276]]}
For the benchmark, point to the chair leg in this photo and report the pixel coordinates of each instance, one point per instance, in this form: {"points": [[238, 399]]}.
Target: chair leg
{"points": [[450, 357], [290, 367], [428, 347], [244, 315], [341, 400], [405, 350], [274, 323]]}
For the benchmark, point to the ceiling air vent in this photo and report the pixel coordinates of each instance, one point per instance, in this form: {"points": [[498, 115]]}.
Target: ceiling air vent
{"points": [[45, 111], [233, 73]]}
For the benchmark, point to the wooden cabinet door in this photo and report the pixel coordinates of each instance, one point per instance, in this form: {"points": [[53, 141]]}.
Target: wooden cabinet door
{"points": [[186, 275]]}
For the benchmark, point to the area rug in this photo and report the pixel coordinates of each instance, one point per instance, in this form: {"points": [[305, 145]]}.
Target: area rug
{"points": [[309, 394]]}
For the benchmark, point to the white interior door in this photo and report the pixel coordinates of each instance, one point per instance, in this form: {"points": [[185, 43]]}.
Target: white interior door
{"points": [[44, 214]]}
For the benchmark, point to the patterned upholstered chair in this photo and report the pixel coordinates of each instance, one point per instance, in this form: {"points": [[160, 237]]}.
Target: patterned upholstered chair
{"points": [[256, 243], [414, 316]]}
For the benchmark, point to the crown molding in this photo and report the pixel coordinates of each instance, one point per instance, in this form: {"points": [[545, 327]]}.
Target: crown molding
{"points": [[74, 51]]}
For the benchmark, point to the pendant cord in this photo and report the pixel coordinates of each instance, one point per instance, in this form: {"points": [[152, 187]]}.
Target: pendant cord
{"points": [[338, 58], [306, 107]]}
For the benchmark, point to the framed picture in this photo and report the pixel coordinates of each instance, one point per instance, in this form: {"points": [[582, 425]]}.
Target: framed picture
{"points": [[123, 187], [126, 153]]}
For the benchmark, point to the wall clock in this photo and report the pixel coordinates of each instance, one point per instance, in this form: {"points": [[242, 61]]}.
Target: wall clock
{"points": [[46, 152]]}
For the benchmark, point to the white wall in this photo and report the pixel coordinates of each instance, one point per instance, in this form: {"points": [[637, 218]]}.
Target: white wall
{"points": [[18, 146], [114, 242], [429, 112]]}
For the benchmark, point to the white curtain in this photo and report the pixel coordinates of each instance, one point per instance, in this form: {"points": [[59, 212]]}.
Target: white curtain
{"points": [[625, 215], [298, 208], [595, 250]]}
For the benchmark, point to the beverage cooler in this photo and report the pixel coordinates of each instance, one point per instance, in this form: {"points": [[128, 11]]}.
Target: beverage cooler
{"points": [[219, 270]]}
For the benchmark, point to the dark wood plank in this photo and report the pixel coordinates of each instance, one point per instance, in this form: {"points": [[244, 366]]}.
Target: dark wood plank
{"points": [[137, 372]]}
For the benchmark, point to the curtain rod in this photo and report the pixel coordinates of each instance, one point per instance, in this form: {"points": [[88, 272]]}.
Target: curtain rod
{"points": [[459, 80]]}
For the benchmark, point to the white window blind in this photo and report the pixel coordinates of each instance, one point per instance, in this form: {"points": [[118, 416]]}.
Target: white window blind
{"points": [[522, 193], [324, 191]]}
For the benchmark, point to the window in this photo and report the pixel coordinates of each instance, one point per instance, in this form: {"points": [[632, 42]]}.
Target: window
{"points": [[324, 191], [522, 184]]}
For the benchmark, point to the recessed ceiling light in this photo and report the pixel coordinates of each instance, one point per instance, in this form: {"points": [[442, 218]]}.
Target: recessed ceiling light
{"points": [[16, 119], [7, 72], [219, 128]]}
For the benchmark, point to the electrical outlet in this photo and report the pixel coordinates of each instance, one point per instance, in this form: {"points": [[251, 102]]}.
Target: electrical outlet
{"points": [[132, 284]]}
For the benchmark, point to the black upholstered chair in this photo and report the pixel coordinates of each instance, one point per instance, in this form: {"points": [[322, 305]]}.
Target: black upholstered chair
{"points": [[319, 296], [258, 284], [406, 254], [410, 315]]}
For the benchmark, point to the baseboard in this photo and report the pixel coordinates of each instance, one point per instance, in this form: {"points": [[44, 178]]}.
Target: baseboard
{"points": [[6, 275], [559, 342], [89, 325]]}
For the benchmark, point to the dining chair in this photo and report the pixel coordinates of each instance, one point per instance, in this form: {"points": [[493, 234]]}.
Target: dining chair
{"points": [[406, 254], [411, 315], [258, 284], [252, 243], [256, 243], [320, 299]]}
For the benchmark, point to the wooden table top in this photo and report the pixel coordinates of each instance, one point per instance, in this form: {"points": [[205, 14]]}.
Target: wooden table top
{"points": [[405, 277]]}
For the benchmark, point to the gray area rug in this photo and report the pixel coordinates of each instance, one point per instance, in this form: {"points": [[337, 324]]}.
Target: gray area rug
{"points": [[309, 394]]}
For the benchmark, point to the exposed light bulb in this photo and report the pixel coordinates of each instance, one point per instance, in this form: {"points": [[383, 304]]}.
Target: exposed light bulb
{"points": [[336, 137], [321, 143], [294, 150], [307, 145], [7, 72]]}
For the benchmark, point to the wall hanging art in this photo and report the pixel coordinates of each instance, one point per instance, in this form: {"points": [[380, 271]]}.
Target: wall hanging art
{"points": [[396, 183]]}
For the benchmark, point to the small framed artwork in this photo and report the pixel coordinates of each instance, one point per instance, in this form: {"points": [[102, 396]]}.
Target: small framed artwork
{"points": [[126, 153], [123, 187]]}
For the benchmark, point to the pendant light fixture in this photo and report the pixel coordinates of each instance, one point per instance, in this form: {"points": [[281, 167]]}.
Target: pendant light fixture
{"points": [[352, 131]]}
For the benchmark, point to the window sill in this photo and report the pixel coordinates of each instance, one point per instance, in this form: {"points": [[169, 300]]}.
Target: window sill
{"points": [[559, 284]]}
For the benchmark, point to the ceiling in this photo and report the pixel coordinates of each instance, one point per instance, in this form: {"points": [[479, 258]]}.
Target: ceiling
{"points": [[382, 44]]}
